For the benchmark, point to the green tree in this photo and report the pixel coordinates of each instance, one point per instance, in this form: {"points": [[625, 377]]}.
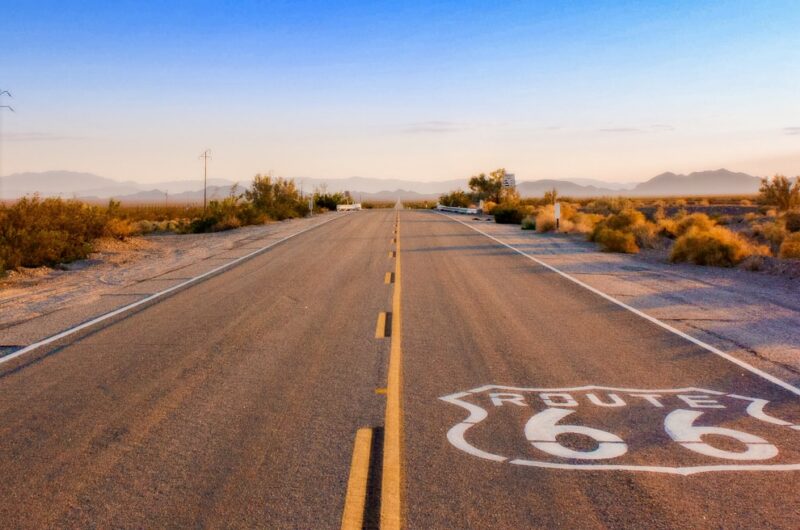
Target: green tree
{"points": [[488, 188], [780, 192], [276, 197], [456, 198]]}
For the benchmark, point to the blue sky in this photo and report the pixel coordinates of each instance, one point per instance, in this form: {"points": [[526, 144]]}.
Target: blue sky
{"points": [[431, 91]]}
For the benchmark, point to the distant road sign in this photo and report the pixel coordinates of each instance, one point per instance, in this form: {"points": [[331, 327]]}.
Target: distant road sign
{"points": [[509, 180]]}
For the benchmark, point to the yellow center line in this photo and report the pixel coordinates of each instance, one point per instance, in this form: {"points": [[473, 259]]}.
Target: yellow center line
{"points": [[392, 482], [380, 326], [355, 501]]}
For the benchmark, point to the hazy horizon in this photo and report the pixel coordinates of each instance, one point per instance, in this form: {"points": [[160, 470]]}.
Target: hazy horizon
{"points": [[424, 92]]}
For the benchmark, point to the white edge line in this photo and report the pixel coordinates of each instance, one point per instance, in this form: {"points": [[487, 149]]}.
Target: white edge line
{"points": [[771, 378], [154, 296]]}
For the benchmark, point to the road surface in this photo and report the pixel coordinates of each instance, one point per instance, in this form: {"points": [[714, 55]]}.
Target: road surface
{"points": [[499, 394]]}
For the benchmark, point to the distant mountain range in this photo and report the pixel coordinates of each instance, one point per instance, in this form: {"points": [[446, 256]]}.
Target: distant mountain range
{"points": [[93, 187]]}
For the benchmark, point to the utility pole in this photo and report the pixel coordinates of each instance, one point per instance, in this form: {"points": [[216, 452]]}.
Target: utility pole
{"points": [[9, 107], [205, 156]]}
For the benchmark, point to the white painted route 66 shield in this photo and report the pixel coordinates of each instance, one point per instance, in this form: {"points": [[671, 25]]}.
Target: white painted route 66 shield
{"points": [[681, 430]]}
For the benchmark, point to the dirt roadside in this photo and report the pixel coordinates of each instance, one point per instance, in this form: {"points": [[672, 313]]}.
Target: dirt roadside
{"points": [[36, 303]]}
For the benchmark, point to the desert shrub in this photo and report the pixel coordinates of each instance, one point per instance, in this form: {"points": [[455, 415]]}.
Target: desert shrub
{"points": [[646, 234], [456, 198], [371, 205], [488, 207], [36, 232], [611, 240], [703, 202], [328, 201], [678, 227], [508, 214], [714, 246], [790, 248], [120, 229], [745, 202], [771, 231], [276, 198], [792, 221], [680, 202], [780, 192], [607, 205], [584, 223], [419, 205], [546, 219], [625, 219], [529, 223], [750, 216], [146, 227]]}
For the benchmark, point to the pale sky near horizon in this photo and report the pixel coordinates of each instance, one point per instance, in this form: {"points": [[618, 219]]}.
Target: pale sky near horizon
{"points": [[618, 91]]}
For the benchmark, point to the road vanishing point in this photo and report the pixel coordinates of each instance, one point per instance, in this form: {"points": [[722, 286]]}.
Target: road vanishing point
{"points": [[391, 369]]}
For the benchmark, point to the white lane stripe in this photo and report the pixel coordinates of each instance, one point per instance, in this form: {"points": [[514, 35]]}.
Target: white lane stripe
{"points": [[771, 378], [153, 296]]}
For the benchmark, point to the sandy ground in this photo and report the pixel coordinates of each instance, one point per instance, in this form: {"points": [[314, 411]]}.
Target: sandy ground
{"points": [[752, 315], [36, 303]]}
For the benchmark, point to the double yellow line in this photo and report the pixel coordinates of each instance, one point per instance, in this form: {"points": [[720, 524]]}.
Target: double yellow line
{"points": [[392, 475], [392, 484]]}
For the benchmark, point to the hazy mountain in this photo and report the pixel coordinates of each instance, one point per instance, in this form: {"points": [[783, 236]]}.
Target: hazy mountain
{"points": [[602, 183], [160, 197], [719, 182], [371, 185], [180, 186], [568, 189], [65, 184], [87, 185]]}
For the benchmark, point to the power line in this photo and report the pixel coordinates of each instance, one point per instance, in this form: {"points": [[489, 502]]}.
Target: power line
{"points": [[205, 156], [9, 107]]}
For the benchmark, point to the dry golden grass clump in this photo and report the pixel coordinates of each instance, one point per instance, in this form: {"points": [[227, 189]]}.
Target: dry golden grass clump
{"points": [[771, 231], [584, 223], [790, 248], [121, 229], [678, 226], [626, 231], [611, 240], [716, 246], [546, 219]]}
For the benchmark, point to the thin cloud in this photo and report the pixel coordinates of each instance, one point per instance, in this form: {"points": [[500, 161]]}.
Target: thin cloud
{"points": [[37, 137], [791, 130], [658, 127], [435, 127], [621, 130]]}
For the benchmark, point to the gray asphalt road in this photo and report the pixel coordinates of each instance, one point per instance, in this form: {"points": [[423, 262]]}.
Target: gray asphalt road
{"points": [[235, 402], [477, 314]]}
